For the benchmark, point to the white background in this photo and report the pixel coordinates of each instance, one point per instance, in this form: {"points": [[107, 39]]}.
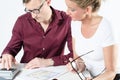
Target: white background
{"points": [[11, 9]]}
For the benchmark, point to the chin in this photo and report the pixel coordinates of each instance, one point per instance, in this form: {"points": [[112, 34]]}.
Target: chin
{"points": [[74, 19]]}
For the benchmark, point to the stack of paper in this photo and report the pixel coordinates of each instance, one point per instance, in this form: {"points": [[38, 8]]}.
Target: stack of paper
{"points": [[47, 73]]}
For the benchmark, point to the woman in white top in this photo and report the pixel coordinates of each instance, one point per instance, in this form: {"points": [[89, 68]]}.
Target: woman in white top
{"points": [[91, 31]]}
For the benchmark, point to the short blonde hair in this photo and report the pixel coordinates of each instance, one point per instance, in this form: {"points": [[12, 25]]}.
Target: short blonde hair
{"points": [[95, 4]]}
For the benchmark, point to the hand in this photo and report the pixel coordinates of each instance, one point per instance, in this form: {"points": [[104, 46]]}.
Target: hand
{"points": [[0, 60], [39, 62], [88, 78], [69, 67], [77, 64], [7, 61], [80, 65]]}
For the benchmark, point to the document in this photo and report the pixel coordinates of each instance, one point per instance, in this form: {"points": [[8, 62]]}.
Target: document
{"points": [[47, 73]]}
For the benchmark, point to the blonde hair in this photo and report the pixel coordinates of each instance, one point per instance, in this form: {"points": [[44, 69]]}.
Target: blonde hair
{"points": [[95, 4]]}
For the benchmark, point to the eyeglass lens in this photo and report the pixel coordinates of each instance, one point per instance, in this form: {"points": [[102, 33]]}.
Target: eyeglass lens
{"points": [[36, 11]]}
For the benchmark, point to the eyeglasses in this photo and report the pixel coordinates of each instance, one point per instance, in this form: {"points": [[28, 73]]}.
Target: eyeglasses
{"points": [[75, 66], [35, 11]]}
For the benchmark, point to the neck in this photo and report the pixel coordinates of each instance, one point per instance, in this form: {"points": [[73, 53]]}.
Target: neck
{"points": [[90, 20], [48, 17]]}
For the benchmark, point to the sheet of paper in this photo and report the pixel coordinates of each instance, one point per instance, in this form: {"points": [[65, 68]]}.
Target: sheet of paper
{"points": [[47, 73]]}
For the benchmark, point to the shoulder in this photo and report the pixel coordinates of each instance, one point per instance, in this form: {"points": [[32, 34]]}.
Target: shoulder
{"points": [[106, 25], [22, 20], [25, 16], [106, 31], [60, 14]]}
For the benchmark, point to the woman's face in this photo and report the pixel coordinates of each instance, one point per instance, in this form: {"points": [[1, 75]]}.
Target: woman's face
{"points": [[76, 13]]}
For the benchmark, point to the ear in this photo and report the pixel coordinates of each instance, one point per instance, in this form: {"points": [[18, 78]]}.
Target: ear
{"points": [[89, 10]]}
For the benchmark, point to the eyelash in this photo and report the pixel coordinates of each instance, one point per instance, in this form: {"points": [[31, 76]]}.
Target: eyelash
{"points": [[72, 10]]}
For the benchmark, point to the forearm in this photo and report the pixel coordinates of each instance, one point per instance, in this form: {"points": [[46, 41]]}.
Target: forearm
{"points": [[11, 51], [107, 75]]}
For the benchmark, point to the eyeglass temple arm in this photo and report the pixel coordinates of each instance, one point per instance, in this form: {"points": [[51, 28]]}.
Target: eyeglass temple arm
{"points": [[83, 55]]}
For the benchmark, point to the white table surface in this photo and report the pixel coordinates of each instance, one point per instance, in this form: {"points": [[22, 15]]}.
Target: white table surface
{"points": [[66, 76]]}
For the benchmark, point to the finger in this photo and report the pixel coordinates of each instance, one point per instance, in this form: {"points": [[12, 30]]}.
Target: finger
{"points": [[69, 67], [3, 63], [15, 62], [8, 64], [9, 61], [29, 65], [70, 59], [88, 78], [0, 60], [33, 67]]}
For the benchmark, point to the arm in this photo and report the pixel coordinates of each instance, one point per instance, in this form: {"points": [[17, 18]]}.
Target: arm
{"points": [[80, 66], [13, 47], [64, 59], [15, 44], [0, 59], [110, 64]]}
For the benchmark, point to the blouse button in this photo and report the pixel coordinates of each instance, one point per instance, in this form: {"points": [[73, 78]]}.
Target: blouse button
{"points": [[43, 36], [43, 49]]}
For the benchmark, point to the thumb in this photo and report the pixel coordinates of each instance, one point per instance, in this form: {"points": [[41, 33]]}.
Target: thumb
{"points": [[15, 61], [70, 59]]}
